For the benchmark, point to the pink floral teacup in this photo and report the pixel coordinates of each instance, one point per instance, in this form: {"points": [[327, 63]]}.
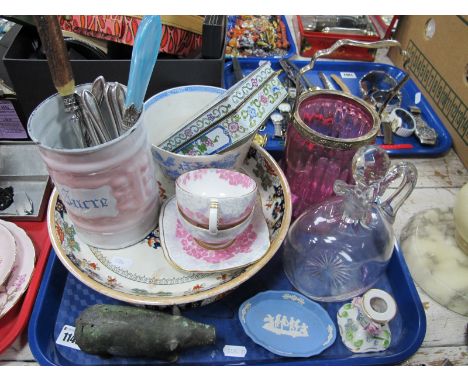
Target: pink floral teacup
{"points": [[215, 201], [223, 238]]}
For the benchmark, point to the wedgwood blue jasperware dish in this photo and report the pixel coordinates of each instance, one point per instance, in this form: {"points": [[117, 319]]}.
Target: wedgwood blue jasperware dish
{"points": [[287, 323]]}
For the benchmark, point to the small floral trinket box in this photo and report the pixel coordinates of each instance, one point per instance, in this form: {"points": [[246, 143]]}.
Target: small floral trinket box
{"points": [[363, 322]]}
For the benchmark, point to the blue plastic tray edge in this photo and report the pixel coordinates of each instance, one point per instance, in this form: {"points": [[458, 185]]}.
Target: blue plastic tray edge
{"points": [[442, 149], [291, 50], [393, 359], [370, 361], [32, 338]]}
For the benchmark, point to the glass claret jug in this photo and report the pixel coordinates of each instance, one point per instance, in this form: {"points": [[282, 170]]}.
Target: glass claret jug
{"points": [[338, 249]]}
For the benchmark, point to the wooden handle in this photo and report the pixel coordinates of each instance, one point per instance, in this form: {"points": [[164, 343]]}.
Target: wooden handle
{"points": [[57, 55], [340, 83]]}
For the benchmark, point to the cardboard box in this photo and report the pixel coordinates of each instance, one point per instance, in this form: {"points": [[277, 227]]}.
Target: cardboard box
{"points": [[32, 82], [439, 67]]}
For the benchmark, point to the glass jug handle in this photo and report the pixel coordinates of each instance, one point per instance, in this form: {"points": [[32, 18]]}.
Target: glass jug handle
{"points": [[390, 204]]}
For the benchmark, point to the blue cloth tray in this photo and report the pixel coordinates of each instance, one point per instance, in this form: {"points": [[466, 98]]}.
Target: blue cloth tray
{"points": [[276, 145], [61, 298], [292, 46]]}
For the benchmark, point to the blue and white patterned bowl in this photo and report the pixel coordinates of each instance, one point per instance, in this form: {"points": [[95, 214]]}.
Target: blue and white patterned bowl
{"points": [[166, 111]]}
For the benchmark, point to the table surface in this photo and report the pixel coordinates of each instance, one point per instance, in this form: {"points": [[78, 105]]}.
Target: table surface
{"points": [[446, 340]]}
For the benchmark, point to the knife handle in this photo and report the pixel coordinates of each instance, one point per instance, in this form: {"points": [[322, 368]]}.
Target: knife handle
{"points": [[51, 37], [325, 81], [398, 146], [340, 83], [238, 75], [144, 55]]}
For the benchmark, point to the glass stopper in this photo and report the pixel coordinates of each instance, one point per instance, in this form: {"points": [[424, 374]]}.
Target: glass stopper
{"points": [[370, 165]]}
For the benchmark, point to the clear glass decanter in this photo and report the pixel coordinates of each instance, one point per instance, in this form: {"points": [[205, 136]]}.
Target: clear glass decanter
{"points": [[338, 249]]}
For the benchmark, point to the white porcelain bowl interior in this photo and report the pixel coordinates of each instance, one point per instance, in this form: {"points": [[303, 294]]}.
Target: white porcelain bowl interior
{"points": [[222, 183]]}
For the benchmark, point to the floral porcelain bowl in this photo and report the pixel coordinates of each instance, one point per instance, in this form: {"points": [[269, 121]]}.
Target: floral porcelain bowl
{"points": [[166, 111], [231, 117], [216, 202]]}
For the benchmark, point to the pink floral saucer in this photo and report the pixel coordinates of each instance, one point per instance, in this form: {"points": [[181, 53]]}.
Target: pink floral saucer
{"points": [[184, 252], [18, 280], [7, 253]]}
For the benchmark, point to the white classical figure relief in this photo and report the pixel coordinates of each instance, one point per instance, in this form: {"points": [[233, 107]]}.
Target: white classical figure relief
{"points": [[284, 326], [292, 297], [245, 309], [330, 335]]}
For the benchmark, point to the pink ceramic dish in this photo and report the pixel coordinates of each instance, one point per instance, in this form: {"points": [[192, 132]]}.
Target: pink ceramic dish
{"points": [[184, 252], [22, 270], [7, 253]]}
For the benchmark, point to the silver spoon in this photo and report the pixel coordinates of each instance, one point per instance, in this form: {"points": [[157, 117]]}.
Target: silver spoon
{"points": [[98, 89], [120, 94], [92, 139], [89, 135], [111, 120], [117, 102], [95, 115]]}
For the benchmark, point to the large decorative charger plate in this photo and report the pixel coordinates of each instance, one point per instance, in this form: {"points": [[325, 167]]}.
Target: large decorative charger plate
{"points": [[287, 323], [140, 274]]}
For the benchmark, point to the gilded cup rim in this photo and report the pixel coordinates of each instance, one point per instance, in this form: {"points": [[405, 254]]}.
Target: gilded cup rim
{"points": [[331, 142]]}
